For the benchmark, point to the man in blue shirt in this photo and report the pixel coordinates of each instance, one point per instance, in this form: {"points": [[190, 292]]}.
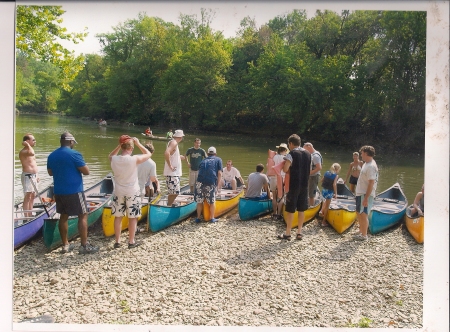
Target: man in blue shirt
{"points": [[209, 177], [67, 167]]}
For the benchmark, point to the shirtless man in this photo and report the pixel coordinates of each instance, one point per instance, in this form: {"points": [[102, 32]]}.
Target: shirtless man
{"points": [[29, 167]]}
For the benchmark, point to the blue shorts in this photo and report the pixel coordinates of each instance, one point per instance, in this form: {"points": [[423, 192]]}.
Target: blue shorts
{"points": [[363, 209], [205, 192], [327, 193], [227, 185]]}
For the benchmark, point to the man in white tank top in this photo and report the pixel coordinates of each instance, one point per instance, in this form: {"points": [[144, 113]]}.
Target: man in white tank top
{"points": [[172, 165]]}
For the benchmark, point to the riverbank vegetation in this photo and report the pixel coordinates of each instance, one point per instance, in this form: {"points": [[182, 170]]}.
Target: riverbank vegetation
{"points": [[343, 77]]}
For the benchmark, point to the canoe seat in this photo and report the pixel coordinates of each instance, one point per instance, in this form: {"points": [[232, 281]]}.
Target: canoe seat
{"points": [[390, 200], [342, 196]]}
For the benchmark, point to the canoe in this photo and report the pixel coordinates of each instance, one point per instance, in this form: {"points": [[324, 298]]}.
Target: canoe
{"points": [[342, 211], [225, 201], [161, 216], [388, 209], [310, 213], [108, 218], [97, 197], [157, 138], [414, 225], [250, 208], [26, 228]]}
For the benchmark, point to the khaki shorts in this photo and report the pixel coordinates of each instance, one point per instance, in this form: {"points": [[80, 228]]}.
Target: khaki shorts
{"points": [[192, 177]]}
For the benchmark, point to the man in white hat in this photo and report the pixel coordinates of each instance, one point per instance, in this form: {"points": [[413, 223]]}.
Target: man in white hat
{"points": [[172, 165]]}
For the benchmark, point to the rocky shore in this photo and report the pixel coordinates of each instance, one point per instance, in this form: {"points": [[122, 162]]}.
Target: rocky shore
{"points": [[232, 273]]}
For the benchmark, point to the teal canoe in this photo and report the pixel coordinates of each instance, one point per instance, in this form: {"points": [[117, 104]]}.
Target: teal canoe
{"points": [[161, 216], [388, 209], [250, 208], [97, 197]]}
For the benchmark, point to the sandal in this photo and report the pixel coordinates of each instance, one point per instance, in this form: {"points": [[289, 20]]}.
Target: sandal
{"points": [[284, 237], [299, 237], [324, 224]]}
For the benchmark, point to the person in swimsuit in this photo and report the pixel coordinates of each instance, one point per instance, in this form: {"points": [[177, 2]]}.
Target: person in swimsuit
{"points": [[353, 171], [29, 172]]}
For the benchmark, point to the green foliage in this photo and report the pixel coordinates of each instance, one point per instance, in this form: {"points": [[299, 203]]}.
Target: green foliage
{"points": [[38, 32], [353, 77]]}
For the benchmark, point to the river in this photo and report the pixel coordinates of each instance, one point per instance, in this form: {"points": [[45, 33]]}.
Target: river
{"points": [[95, 143]]}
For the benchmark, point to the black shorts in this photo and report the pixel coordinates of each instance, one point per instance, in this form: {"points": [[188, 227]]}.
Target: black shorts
{"points": [[297, 200], [353, 180], [72, 204]]}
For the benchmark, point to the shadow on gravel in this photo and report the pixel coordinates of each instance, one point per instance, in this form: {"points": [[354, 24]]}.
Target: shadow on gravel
{"points": [[413, 246], [256, 256]]}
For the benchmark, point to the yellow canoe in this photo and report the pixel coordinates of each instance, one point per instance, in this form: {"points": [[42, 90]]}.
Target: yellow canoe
{"points": [[108, 218], [414, 225], [310, 213], [226, 201], [342, 211]]}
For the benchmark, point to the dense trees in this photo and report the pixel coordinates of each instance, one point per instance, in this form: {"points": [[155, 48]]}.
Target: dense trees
{"points": [[351, 77]]}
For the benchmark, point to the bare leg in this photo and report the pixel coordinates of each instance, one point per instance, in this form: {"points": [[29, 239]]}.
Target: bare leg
{"points": [[233, 184], [212, 209], [301, 219], [117, 228], [63, 227], [28, 203], [132, 222], [82, 228], [199, 210], [289, 218], [274, 202], [325, 207], [363, 223]]}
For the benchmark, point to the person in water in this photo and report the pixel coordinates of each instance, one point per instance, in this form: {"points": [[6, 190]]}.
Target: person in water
{"points": [[419, 203], [354, 171], [329, 190]]}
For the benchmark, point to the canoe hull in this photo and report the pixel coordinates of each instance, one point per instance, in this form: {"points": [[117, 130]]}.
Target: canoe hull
{"points": [[252, 208], [50, 230], [161, 216], [415, 225], [342, 211], [224, 203], [33, 228], [388, 209]]}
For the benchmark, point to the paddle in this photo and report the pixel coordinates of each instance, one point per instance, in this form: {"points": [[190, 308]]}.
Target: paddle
{"points": [[37, 193]]}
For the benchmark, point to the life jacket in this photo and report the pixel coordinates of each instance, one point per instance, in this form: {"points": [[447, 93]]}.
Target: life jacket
{"points": [[270, 163], [328, 179]]}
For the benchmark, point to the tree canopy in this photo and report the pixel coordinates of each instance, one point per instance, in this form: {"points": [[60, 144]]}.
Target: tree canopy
{"points": [[344, 77]]}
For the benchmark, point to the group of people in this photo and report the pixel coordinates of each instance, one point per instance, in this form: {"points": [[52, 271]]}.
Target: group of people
{"points": [[135, 177]]}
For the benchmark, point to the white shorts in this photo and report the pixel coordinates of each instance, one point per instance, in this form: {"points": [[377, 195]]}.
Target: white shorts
{"points": [[127, 205], [272, 183], [26, 182]]}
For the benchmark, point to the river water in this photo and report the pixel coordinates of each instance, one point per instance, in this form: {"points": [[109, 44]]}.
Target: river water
{"points": [[95, 143]]}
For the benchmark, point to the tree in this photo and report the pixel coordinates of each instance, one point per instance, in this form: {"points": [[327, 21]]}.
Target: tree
{"points": [[38, 32]]}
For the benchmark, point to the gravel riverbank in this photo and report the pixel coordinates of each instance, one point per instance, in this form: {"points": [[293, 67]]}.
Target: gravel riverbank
{"points": [[230, 273]]}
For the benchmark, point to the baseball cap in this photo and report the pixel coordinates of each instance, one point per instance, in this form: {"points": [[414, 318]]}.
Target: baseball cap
{"points": [[124, 138], [178, 133], [68, 137], [212, 149]]}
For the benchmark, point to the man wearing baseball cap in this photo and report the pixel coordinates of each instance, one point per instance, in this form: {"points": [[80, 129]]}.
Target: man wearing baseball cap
{"points": [[209, 177], [67, 167], [127, 194], [172, 165]]}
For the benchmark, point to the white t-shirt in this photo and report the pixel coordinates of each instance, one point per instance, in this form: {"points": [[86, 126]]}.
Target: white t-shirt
{"points": [[125, 175], [231, 174], [145, 170], [369, 171]]}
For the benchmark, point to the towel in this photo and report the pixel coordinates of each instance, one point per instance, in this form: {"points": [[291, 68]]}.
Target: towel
{"points": [[278, 170]]}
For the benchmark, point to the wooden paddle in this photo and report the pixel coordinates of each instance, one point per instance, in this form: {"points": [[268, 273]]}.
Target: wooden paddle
{"points": [[37, 193]]}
